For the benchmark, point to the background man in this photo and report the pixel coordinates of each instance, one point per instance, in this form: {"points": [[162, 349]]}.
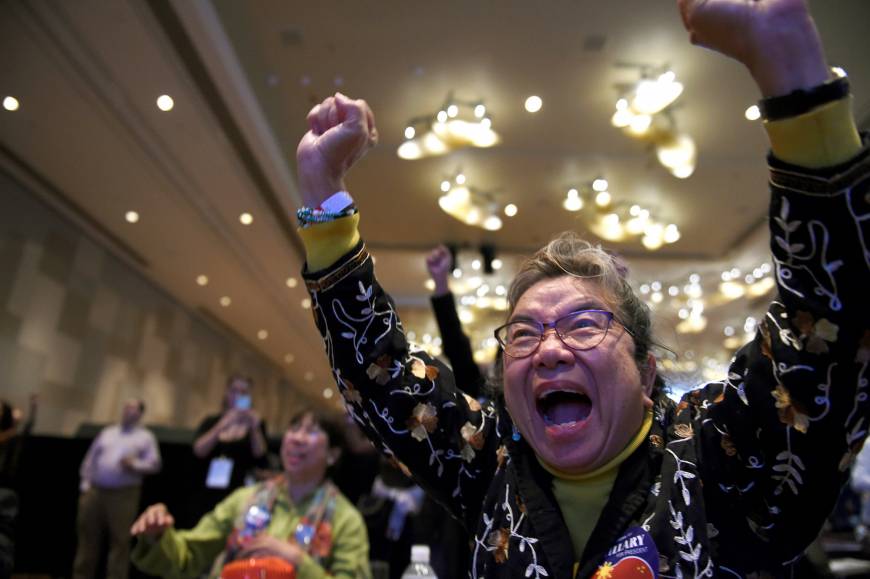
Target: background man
{"points": [[111, 480]]}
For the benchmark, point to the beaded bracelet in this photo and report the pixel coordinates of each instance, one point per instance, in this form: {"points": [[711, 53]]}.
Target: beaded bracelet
{"points": [[309, 215]]}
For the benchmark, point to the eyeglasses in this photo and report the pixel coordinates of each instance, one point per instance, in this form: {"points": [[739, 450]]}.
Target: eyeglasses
{"points": [[581, 330]]}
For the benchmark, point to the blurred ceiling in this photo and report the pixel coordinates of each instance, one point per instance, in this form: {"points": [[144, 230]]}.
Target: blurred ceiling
{"points": [[90, 139]]}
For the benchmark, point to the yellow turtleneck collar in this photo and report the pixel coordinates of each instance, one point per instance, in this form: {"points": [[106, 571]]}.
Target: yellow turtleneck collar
{"points": [[613, 463], [581, 497]]}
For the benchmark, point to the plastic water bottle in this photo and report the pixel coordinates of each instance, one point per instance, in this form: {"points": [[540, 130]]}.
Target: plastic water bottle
{"points": [[419, 567]]}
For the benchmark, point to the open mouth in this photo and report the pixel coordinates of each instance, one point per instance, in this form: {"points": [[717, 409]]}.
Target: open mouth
{"points": [[564, 407], [294, 457]]}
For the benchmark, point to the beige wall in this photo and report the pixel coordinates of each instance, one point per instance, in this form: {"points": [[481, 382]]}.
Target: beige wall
{"points": [[86, 331]]}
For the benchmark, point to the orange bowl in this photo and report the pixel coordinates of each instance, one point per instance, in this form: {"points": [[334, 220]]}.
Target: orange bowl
{"points": [[265, 568]]}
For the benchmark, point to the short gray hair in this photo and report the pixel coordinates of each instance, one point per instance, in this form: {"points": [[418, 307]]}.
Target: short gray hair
{"points": [[569, 254]]}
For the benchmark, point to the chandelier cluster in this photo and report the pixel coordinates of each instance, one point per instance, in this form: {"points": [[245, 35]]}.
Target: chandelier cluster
{"points": [[643, 112], [619, 221], [458, 124], [471, 206], [688, 298], [753, 284]]}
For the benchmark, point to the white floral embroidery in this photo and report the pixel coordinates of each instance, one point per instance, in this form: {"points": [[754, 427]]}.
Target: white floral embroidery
{"points": [[790, 466], [785, 269]]}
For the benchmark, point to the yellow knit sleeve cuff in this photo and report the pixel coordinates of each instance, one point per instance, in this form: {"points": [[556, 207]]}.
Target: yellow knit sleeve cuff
{"points": [[326, 243], [823, 137]]}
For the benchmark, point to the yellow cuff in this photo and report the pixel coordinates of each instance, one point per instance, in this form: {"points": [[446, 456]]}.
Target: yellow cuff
{"points": [[823, 137], [326, 243]]}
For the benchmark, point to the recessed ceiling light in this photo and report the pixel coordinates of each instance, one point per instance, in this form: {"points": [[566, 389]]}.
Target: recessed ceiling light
{"points": [[429, 285], [202, 280], [262, 334], [753, 113], [292, 282], [496, 264], [246, 218], [10, 103], [225, 301], [309, 376], [165, 102], [328, 393], [131, 217], [306, 303], [534, 104], [289, 358], [510, 209]]}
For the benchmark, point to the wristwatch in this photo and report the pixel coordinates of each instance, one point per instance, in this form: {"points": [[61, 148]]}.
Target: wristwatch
{"points": [[801, 101]]}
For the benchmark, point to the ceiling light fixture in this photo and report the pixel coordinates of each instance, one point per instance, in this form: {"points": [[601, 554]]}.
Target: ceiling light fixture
{"points": [[614, 221], [262, 334], [457, 125], [246, 218], [753, 113], [602, 198], [10, 103], [225, 301], [131, 217], [292, 282], [678, 154], [644, 112], [470, 206], [202, 280], [165, 103], [533, 104], [573, 201], [652, 96]]}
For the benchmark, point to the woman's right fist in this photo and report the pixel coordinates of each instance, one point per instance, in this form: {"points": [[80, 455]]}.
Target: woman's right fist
{"points": [[341, 130]]}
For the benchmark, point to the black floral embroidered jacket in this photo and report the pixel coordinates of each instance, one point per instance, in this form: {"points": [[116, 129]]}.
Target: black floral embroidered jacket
{"points": [[735, 481]]}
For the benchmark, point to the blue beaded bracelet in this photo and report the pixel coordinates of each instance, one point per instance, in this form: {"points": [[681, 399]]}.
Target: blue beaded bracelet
{"points": [[308, 215]]}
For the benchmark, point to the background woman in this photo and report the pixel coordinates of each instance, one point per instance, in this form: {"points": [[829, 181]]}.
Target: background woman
{"points": [[299, 517]]}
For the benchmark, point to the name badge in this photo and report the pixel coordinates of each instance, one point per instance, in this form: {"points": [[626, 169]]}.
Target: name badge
{"points": [[220, 471], [634, 556]]}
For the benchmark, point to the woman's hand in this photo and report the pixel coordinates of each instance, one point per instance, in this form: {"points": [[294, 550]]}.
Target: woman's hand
{"points": [[341, 130], [153, 522], [775, 39], [267, 546], [438, 264]]}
